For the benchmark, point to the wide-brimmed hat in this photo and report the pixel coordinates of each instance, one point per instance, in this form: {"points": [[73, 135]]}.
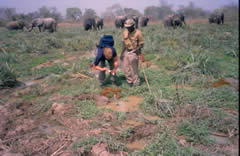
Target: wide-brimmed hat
{"points": [[129, 23]]}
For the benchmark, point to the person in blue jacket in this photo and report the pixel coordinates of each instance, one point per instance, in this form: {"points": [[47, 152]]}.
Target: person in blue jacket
{"points": [[106, 52]]}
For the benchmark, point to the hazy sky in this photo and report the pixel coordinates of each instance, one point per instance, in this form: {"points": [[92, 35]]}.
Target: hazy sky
{"points": [[26, 6]]}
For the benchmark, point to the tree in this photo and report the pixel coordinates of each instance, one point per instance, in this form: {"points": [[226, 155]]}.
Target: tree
{"points": [[49, 12], [73, 13], [191, 11], [152, 11], [7, 13], [231, 12], [160, 11], [164, 9], [130, 12], [117, 10], [89, 13]]}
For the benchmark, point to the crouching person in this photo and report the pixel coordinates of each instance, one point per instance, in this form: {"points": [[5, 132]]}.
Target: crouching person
{"points": [[106, 52]]}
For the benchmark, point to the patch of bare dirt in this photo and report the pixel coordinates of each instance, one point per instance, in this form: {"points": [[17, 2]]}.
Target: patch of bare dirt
{"points": [[66, 60], [149, 64], [101, 149], [99, 99], [231, 82], [131, 104]]}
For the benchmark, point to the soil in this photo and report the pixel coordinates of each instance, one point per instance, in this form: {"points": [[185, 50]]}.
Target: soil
{"points": [[27, 130]]}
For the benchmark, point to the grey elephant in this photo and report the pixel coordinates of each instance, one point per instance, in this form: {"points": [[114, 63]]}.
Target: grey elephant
{"points": [[89, 23], [181, 17], [216, 18], [172, 21], [16, 25], [119, 21], [135, 18], [43, 24], [144, 21], [99, 23]]}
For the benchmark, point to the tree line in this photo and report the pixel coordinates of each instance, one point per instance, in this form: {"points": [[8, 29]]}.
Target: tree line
{"points": [[154, 12]]}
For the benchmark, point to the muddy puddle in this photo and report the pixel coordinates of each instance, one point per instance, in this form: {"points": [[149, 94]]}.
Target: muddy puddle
{"points": [[130, 105], [219, 83]]}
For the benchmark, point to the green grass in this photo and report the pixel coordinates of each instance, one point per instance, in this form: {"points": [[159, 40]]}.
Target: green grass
{"points": [[85, 143], [86, 109], [195, 133], [166, 145], [194, 56]]}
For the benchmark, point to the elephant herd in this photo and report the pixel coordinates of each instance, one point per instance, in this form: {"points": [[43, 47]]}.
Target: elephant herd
{"points": [[43, 24], [216, 18], [50, 24], [119, 21], [97, 24], [92, 23]]}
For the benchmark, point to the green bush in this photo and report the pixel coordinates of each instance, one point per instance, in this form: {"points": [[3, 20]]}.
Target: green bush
{"points": [[197, 134], [7, 76]]}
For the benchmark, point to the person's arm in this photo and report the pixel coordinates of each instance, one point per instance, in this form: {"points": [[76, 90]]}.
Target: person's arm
{"points": [[123, 50], [141, 57], [115, 65], [100, 68], [141, 43]]}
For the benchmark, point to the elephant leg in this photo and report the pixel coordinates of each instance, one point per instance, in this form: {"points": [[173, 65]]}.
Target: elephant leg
{"points": [[39, 29], [55, 27], [43, 28]]}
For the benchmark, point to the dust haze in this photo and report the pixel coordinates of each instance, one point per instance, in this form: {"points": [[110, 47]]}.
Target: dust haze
{"points": [[26, 6]]}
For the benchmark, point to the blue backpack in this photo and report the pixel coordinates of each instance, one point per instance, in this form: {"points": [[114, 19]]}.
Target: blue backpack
{"points": [[106, 41]]}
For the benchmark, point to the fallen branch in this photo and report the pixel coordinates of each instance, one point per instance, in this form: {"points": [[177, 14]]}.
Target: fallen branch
{"points": [[3, 50], [59, 149], [80, 75]]}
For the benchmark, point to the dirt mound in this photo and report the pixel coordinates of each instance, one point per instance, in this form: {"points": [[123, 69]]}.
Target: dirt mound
{"points": [[111, 92], [142, 131]]}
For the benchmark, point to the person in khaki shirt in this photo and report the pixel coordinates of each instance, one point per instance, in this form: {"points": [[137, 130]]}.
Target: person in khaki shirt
{"points": [[131, 51]]}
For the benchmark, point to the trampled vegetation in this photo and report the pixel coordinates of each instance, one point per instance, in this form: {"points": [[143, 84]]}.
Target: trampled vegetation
{"points": [[193, 75]]}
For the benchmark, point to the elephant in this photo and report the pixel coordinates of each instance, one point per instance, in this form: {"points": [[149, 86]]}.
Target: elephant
{"points": [[173, 21], [99, 23], [135, 18], [44, 23], [89, 23], [119, 21], [181, 17], [16, 25], [144, 21], [216, 18]]}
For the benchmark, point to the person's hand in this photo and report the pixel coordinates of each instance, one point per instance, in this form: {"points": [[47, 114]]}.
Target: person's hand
{"points": [[105, 69], [121, 57], [141, 58], [113, 72]]}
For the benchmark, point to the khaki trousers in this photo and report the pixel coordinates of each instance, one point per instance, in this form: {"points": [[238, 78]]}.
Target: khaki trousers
{"points": [[130, 65]]}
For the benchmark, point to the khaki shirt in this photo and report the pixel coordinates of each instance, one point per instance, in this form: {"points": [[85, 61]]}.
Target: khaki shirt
{"points": [[133, 39]]}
